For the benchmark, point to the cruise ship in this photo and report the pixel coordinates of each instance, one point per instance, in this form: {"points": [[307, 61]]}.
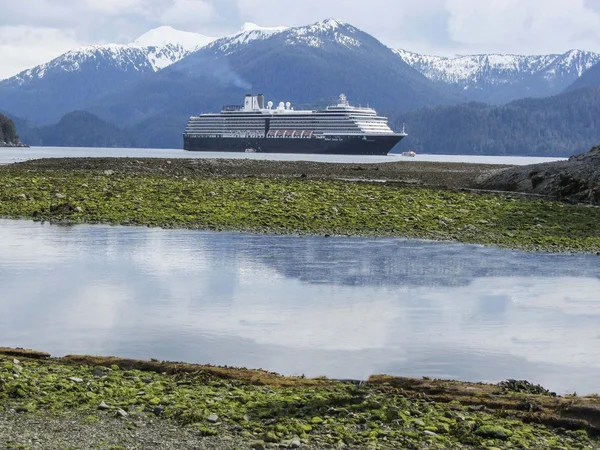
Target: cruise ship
{"points": [[255, 127]]}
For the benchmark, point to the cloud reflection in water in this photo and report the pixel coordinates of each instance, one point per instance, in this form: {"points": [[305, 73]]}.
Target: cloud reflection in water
{"points": [[344, 307]]}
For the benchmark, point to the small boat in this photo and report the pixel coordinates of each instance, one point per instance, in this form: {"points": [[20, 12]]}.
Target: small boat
{"points": [[409, 153], [250, 150]]}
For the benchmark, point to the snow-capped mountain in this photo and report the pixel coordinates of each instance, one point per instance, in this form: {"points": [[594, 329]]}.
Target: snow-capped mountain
{"points": [[75, 79], [498, 78], [120, 57], [315, 35], [153, 51], [312, 62]]}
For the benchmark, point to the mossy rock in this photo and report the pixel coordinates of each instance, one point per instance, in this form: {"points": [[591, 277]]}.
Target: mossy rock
{"points": [[493, 432]]}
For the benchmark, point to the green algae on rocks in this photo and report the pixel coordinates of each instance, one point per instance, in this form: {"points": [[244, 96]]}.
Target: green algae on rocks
{"points": [[297, 205], [270, 410]]}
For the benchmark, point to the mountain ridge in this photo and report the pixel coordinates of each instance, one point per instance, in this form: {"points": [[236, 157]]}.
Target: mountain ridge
{"points": [[501, 78], [284, 66], [155, 49]]}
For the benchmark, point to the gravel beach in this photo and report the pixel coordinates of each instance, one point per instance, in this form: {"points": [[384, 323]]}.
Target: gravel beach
{"points": [[450, 175], [107, 403]]}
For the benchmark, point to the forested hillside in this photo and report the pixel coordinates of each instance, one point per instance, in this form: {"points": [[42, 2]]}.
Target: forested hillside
{"points": [[83, 129], [590, 78], [556, 126], [76, 129]]}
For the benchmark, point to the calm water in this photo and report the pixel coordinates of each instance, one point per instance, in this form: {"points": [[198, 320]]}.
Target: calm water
{"points": [[12, 155], [341, 307]]}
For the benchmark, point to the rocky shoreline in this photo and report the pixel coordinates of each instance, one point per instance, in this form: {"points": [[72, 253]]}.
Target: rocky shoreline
{"points": [[437, 201], [114, 403], [412, 173], [576, 180], [11, 145]]}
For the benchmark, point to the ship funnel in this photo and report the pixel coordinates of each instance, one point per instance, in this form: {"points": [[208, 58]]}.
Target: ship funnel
{"points": [[261, 101]]}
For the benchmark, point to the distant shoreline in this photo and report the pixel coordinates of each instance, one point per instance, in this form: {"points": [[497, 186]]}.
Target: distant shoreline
{"points": [[19, 145]]}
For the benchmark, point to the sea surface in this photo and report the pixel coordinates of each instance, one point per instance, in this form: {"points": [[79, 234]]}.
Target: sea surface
{"points": [[340, 307], [12, 155]]}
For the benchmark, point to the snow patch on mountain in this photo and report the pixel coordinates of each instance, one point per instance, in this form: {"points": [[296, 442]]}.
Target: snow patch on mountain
{"points": [[314, 35], [573, 62], [496, 69], [249, 26], [317, 34], [248, 33]]}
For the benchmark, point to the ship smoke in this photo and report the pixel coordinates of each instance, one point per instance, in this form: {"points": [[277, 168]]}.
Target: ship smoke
{"points": [[221, 69]]}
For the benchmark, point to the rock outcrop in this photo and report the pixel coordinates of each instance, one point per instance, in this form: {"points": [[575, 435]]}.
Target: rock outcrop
{"points": [[576, 180], [12, 144]]}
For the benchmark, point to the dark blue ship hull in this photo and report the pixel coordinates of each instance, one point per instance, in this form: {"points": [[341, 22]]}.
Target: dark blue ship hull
{"points": [[343, 145]]}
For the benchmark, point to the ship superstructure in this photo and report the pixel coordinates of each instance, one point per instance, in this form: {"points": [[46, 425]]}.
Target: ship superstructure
{"points": [[256, 127]]}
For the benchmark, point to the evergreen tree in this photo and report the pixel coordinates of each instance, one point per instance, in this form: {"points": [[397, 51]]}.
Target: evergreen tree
{"points": [[8, 132]]}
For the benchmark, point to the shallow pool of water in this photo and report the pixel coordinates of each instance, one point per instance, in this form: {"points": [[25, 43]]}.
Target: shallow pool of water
{"points": [[341, 307]]}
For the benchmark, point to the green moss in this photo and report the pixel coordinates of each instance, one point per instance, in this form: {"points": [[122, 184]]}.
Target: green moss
{"points": [[295, 206], [493, 432], [324, 414], [204, 431]]}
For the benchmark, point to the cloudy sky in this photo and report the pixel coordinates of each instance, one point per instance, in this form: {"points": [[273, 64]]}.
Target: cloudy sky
{"points": [[35, 31]]}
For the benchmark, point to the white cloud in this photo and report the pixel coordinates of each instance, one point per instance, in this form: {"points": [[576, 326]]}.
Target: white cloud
{"points": [[524, 26], [189, 12], [114, 7], [22, 47]]}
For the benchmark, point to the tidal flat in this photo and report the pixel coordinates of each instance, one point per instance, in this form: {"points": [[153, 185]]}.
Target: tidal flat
{"points": [[202, 195], [119, 403]]}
